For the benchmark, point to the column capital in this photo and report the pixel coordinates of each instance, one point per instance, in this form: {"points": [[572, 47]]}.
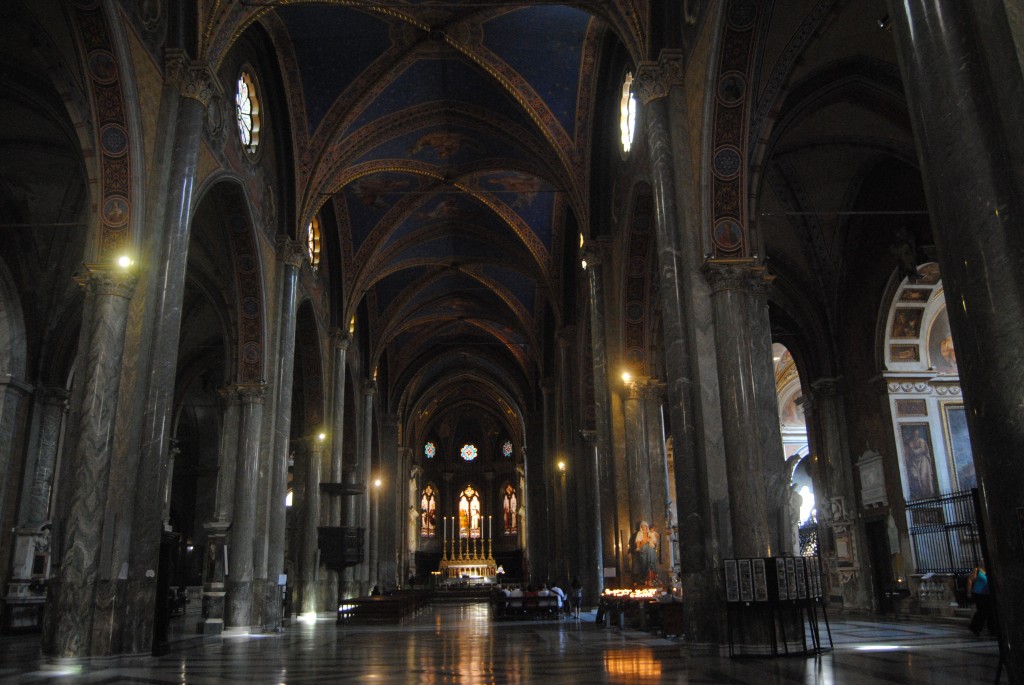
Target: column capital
{"points": [[340, 339], [635, 387], [290, 252], [826, 387], [192, 79], [654, 80], [251, 393], [369, 387], [595, 251], [651, 388], [103, 280], [589, 437], [737, 274]]}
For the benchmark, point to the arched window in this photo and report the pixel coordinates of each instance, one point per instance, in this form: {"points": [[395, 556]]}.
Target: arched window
{"points": [[247, 112], [470, 521], [627, 113], [313, 242], [510, 507], [428, 513]]}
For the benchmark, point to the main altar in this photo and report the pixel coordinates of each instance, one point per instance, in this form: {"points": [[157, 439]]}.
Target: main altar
{"points": [[466, 554]]}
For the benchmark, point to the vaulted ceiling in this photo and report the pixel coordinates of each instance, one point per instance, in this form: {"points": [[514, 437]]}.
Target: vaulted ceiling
{"points": [[449, 144]]}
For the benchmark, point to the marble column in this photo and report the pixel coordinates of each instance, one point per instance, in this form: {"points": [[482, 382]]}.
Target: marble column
{"points": [[291, 255], [637, 469], [12, 417], [227, 458], [659, 87], [365, 473], [189, 88], [309, 566], [340, 342], [836, 497], [566, 443], [390, 522], [538, 496], [241, 571], [753, 443], [594, 253], [662, 506], [50, 409], [99, 370], [592, 577], [965, 96]]}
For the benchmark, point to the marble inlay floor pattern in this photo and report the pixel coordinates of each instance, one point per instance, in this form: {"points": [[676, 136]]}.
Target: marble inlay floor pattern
{"points": [[462, 644]]}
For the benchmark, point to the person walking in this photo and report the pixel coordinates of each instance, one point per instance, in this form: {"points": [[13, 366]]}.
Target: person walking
{"points": [[980, 591]]}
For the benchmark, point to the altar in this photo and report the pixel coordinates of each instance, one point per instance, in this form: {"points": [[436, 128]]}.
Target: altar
{"points": [[466, 558]]}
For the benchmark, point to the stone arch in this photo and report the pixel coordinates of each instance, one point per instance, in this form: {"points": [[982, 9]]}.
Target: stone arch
{"points": [[639, 282], [248, 349]]}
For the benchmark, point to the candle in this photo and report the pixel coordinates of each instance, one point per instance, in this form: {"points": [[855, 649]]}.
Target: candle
{"points": [[490, 527]]}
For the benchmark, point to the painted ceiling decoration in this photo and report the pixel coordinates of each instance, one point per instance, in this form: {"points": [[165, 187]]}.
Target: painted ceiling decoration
{"points": [[450, 143]]}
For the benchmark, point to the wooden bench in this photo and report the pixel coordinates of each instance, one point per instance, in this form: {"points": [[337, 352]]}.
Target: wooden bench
{"points": [[526, 607], [382, 608]]}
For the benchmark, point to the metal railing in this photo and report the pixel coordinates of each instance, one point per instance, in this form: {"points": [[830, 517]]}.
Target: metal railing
{"points": [[809, 537], [944, 533]]}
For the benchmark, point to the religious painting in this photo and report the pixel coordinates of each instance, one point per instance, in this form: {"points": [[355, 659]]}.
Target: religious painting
{"points": [[904, 353], [919, 460], [941, 355], [958, 444], [911, 408], [906, 322], [510, 506], [469, 513], [428, 513], [915, 295]]}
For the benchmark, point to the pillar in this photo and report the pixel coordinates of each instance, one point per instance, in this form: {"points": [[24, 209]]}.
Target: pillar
{"points": [[594, 253], [388, 499], [662, 506], [241, 567], [365, 473], [99, 371], [592, 577], [972, 164], [188, 90], [758, 485], [637, 469], [339, 344], [291, 256], [309, 566], [658, 86], [50, 408]]}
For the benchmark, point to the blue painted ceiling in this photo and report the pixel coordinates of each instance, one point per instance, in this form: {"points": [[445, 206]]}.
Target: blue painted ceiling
{"points": [[447, 139]]}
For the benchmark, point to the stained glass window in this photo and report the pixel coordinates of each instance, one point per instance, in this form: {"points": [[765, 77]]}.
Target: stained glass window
{"points": [[469, 452], [247, 111], [428, 513], [313, 242], [429, 450], [510, 505], [627, 113], [506, 449], [470, 520]]}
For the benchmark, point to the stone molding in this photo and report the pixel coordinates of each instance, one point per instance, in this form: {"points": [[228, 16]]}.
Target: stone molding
{"points": [[290, 252], [654, 80], [102, 280], [743, 275], [340, 339], [193, 80]]}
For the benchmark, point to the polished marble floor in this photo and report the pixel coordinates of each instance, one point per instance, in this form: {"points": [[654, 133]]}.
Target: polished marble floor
{"points": [[462, 644]]}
